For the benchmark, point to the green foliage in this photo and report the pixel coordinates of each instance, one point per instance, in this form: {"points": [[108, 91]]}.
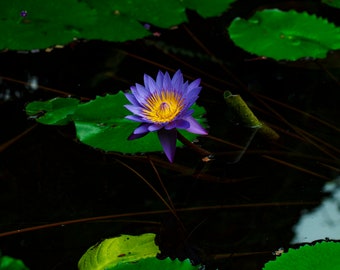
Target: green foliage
{"points": [[57, 110], [332, 3], [101, 123], [128, 252], [48, 23], [154, 263], [122, 249], [208, 8], [285, 35], [324, 255], [9, 263], [242, 114]]}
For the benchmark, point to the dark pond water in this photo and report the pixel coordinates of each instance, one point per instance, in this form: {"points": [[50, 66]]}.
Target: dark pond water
{"points": [[236, 209]]}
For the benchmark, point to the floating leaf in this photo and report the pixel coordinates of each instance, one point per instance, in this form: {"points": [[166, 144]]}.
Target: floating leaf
{"points": [[9, 263], [285, 35], [101, 123], [28, 25], [56, 111], [321, 256], [122, 249], [163, 14], [332, 3], [154, 263], [46, 23], [208, 8]]}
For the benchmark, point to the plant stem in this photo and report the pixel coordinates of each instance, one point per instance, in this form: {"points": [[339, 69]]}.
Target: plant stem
{"points": [[192, 146]]}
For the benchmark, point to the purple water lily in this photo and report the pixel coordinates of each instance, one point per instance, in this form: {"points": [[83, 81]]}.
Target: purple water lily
{"points": [[163, 106]]}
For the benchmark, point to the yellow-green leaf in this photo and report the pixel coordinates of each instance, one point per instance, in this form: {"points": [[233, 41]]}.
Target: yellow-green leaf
{"points": [[122, 249]]}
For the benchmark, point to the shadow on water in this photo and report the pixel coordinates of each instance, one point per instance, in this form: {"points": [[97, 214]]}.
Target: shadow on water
{"points": [[235, 206]]}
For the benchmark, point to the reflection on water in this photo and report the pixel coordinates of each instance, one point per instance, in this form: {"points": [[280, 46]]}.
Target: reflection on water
{"points": [[323, 221]]}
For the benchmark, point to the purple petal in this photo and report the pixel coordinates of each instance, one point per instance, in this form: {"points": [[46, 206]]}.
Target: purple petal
{"points": [[132, 99], [134, 109], [140, 93], [187, 113], [177, 80], [143, 128], [194, 84], [195, 127], [136, 136], [194, 92], [135, 118], [159, 80], [180, 123], [192, 96], [141, 89], [184, 88], [167, 82], [150, 84], [155, 127], [168, 141]]}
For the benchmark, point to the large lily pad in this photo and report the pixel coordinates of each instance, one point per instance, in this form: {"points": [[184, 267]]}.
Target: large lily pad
{"points": [[285, 35], [321, 256], [46, 23], [38, 24]]}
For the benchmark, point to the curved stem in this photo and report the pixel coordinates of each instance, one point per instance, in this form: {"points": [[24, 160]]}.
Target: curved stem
{"points": [[192, 146]]}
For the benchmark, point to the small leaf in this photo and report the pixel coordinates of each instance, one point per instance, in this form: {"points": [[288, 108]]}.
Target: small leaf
{"points": [[332, 3], [57, 111], [321, 256], [285, 35], [241, 112], [118, 250], [9, 263]]}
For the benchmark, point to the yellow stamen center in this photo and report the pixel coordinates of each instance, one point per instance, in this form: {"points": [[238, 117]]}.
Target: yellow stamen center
{"points": [[163, 107]]}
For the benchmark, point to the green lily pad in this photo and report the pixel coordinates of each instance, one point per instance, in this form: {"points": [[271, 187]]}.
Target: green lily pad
{"points": [[285, 35], [123, 249], [163, 14], [46, 23], [154, 263], [332, 3], [321, 256], [208, 8], [38, 24], [101, 123], [56, 111], [9, 263]]}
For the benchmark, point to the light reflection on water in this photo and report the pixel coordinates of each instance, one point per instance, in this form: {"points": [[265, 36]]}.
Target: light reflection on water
{"points": [[323, 221]]}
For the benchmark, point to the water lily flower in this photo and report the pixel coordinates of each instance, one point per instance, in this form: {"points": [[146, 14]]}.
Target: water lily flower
{"points": [[163, 106]]}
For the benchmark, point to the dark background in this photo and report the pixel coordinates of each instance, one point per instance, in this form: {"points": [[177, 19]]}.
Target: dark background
{"points": [[46, 176]]}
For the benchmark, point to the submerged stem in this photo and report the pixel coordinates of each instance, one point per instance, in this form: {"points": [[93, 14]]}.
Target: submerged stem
{"points": [[192, 146]]}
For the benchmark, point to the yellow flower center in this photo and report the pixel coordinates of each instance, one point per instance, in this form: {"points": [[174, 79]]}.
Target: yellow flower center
{"points": [[163, 107]]}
